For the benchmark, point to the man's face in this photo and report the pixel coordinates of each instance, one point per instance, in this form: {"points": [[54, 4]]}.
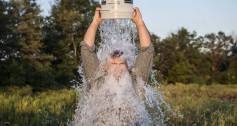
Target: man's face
{"points": [[117, 66], [117, 61]]}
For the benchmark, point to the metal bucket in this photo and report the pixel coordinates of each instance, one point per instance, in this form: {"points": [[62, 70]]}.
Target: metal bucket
{"points": [[116, 9]]}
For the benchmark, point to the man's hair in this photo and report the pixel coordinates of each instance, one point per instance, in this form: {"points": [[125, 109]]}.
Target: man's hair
{"points": [[116, 53]]}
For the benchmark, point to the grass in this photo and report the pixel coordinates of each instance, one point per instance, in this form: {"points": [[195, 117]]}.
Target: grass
{"points": [[194, 105], [22, 107], [197, 105]]}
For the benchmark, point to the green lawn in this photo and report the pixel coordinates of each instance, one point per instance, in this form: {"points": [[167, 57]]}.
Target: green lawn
{"points": [[193, 105]]}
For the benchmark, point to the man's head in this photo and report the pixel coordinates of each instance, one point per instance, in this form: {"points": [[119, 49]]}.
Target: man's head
{"points": [[117, 65]]}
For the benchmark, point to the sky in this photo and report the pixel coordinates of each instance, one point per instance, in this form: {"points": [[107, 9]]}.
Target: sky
{"points": [[165, 16]]}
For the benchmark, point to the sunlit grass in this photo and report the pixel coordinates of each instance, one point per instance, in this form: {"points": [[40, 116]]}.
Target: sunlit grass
{"points": [[194, 105], [22, 107], [214, 105]]}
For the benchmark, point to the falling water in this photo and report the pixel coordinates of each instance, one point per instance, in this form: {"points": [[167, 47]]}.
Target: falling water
{"points": [[114, 102], [118, 34]]}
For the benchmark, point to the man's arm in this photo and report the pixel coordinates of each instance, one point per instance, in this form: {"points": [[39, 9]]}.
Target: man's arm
{"points": [[144, 35], [144, 60], [88, 55], [89, 37]]}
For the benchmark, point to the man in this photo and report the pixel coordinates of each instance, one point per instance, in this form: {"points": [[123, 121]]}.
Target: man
{"points": [[143, 62], [115, 91]]}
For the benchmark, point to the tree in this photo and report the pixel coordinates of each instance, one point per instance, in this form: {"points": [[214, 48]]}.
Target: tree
{"points": [[173, 57], [8, 46], [217, 48], [232, 70], [36, 64], [29, 30], [64, 30]]}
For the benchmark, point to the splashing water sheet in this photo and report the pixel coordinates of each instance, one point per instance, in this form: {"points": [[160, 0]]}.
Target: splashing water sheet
{"points": [[114, 102]]}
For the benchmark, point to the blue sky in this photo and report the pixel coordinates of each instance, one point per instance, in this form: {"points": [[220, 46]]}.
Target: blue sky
{"points": [[165, 16]]}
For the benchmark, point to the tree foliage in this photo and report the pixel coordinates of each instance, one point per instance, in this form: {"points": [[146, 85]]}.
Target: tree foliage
{"points": [[188, 58], [64, 30]]}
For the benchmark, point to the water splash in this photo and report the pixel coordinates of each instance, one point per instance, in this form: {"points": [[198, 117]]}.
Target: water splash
{"points": [[112, 102], [118, 34]]}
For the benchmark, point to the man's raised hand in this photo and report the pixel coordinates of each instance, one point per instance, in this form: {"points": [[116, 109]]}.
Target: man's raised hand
{"points": [[137, 16], [97, 17]]}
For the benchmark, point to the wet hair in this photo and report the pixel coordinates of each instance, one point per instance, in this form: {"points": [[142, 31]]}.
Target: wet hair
{"points": [[116, 53]]}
